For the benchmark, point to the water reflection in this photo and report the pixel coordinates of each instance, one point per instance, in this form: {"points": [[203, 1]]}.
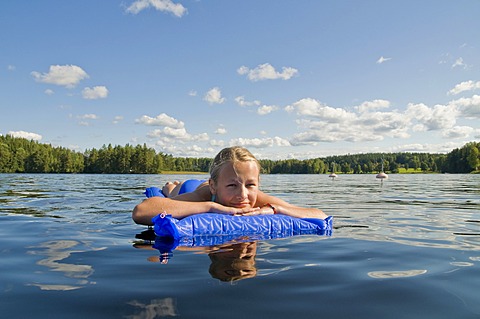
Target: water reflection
{"points": [[397, 274], [230, 262], [156, 308], [56, 251]]}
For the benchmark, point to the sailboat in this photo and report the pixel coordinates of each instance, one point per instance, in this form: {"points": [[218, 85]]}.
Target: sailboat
{"points": [[382, 174], [332, 174]]}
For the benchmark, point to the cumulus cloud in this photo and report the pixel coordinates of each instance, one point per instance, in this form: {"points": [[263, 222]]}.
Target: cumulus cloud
{"points": [[171, 131], [318, 131], [241, 101], [373, 105], [217, 143], [266, 109], [313, 108], [97, 92], [464, 86], [458, 132], [27, 135], [467, 107], [169, 6], [383, 60], [160, 120], [186, 151], [63, 75], [267, 72], [260, 142], [168, 135], [439, 117], [214, 96], [322, 123], [221, 130]]}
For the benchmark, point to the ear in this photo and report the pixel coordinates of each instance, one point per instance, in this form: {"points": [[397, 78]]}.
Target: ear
{"points": [[213, 188]]}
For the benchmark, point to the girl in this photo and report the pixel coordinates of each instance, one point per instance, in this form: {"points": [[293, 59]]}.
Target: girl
{"points": [[233, 189]]}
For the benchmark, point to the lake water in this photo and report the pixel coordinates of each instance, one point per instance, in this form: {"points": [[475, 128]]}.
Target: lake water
{"points": [[405, 248]]}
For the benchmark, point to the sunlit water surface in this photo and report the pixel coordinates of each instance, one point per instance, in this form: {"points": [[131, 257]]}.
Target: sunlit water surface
{"points": [[407, 247]]}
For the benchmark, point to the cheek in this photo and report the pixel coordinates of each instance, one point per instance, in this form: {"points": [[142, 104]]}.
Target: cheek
{"points": [[253, 195], [223, 196]]}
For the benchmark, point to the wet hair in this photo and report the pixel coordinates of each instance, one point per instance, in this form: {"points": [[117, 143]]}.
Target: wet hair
{"points": [[232, 154]]}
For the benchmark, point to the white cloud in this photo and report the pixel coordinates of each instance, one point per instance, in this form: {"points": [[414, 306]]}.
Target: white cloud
{"points": [[27, 135], [217, 143], [373, 105], [260, 142], [49, 92], [214, 96], [459, 63], [382, 60], [464, 86], [177, 133], [186, 151], [320, 131], [97, 92], [241, 101], [467, 107], [439, 117], [172, 131], [458, 132], [313, 108], [429, 148], [63, 75], [169, 135], [192, 93], [322, 123], [117, 119], [161, 120], [221, 130], [267, 72], [88, 117], [266, 109], [385, 123], [176, 9], [11, 67]]}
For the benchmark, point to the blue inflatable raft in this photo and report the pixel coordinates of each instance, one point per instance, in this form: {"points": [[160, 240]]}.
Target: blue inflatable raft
{"points": [[213, 229]]}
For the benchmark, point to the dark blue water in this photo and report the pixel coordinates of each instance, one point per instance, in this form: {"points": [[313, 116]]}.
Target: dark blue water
{"points": [[405, 248]]}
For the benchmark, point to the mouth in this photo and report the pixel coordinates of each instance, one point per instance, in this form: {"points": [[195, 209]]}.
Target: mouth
{"points": [[240, 205]]}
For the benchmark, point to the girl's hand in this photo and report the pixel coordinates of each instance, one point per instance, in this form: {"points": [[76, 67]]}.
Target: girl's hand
{"points": [[220, 209], [258, 211]]}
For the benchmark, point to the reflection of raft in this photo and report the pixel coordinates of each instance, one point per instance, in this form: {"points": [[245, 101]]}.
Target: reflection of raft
{"points": [[211, 228]]}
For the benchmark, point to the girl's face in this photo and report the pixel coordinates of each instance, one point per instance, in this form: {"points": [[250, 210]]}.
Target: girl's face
{"points": [[237, 185]]}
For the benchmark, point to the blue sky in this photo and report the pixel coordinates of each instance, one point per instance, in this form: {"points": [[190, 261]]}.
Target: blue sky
{"points": [[286, 79]]}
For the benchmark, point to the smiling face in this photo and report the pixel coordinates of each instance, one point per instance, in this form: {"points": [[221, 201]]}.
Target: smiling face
{"points": [[237, 184]]}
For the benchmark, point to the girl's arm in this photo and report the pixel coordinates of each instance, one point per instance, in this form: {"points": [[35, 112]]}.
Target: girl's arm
{"points": [[282, 207], [182, 206]]}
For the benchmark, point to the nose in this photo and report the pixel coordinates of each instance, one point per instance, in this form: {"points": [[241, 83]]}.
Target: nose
{"points": [[242, 192]]}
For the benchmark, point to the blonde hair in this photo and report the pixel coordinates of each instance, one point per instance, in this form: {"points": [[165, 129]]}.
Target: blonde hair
{"points": [[233, 155]]}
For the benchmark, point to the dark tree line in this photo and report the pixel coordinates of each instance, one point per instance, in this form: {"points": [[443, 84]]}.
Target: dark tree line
{"points": [[19, 155]]}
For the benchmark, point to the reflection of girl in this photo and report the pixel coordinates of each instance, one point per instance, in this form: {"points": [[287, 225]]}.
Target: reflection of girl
{"points": [[233, 189], [234, 262]]}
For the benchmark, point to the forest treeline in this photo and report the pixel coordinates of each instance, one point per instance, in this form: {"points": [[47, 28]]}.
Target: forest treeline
{"points": [[19, 155]]}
